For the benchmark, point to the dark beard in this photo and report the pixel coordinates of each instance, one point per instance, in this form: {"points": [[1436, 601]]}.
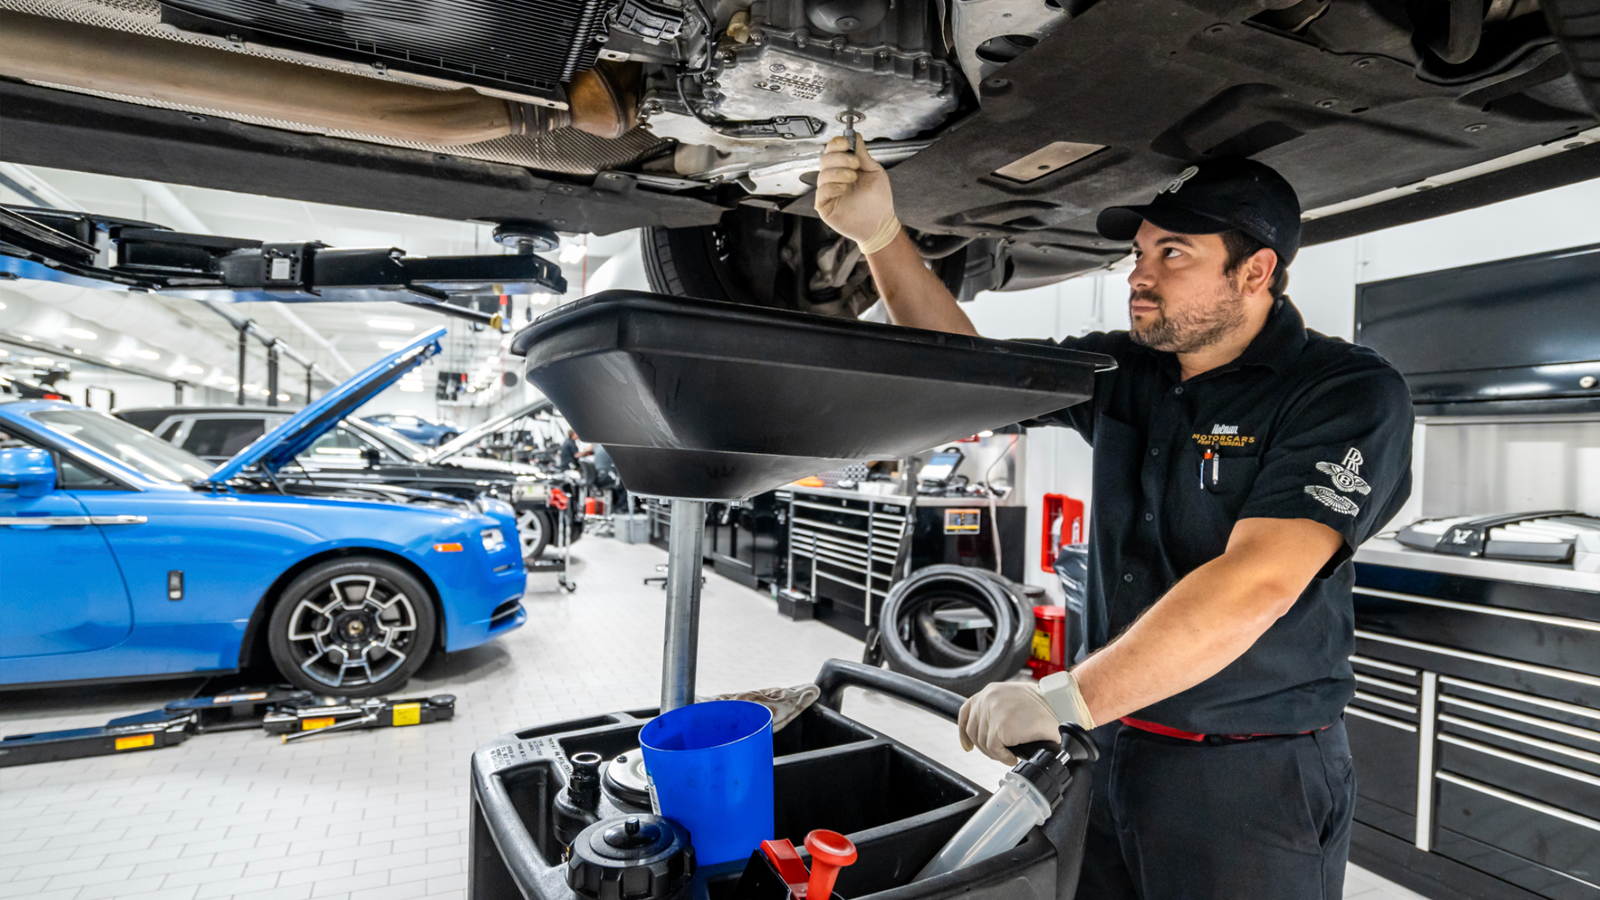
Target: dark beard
{"points": [[1196, 330]]}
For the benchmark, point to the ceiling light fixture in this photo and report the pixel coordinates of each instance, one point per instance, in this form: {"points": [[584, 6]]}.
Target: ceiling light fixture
{"points": [[82, 334], [252, 387], [146, 354], [194, 370], [114, 361], [283, 398], [392, 324], [572, 253], [43, 361]]}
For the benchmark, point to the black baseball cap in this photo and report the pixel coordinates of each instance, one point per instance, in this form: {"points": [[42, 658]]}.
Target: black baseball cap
{"points": [[1231, 194]]}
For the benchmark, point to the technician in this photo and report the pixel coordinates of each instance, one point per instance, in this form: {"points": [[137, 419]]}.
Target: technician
{"points": [[1238, 461], [567, 457]]}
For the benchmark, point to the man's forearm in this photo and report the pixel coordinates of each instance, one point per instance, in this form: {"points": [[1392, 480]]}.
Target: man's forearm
{"points": [[915, 296], [1206, 621]]}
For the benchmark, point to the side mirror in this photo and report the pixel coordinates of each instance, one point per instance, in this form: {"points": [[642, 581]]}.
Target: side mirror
{"points": [[370, 456], [28, 471]]}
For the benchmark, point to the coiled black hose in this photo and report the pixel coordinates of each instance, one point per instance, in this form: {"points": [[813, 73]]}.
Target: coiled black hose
{"points": [[914, 643]]}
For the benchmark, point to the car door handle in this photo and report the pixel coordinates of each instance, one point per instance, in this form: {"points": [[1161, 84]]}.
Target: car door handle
{"points": [[73, 520]]}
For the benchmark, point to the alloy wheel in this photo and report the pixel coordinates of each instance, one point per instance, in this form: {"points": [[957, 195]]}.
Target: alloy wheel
{"points": [[356, 630]]}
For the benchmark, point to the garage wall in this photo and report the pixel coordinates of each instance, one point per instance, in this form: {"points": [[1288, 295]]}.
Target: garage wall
{"points": [[1322, 282]]}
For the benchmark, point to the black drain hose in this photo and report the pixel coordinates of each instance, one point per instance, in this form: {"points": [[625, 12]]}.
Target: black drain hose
{"points": [[913, 644]]}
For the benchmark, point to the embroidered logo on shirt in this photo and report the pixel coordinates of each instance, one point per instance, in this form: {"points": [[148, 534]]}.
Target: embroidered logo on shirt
{"points": [[1346, 479], [1332, 499], [1353, 460], [1176, 183], [1223, 436]]}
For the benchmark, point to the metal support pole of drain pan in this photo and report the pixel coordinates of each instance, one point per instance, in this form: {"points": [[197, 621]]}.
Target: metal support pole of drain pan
{"points": [[684, 558]]}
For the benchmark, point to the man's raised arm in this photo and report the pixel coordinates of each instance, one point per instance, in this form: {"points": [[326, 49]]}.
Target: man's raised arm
{"points": [[854, 199]]}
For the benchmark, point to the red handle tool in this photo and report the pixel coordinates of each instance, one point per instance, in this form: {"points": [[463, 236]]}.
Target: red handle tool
{"points": [[830, 852]]}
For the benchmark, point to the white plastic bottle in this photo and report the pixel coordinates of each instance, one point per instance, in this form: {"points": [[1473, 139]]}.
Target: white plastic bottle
{"points": [[1000, 824]]}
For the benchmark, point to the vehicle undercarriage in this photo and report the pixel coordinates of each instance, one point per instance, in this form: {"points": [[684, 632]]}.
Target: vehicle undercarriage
{"points": [[1007, 124]]}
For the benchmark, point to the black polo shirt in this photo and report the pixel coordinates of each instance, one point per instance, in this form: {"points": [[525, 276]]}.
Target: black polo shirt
{"points": [[1300, 426]]}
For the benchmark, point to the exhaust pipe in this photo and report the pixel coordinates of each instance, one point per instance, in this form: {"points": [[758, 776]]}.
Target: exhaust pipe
{"points": [[55, 53]]}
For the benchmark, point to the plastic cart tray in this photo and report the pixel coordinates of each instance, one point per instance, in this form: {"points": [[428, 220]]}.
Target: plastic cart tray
{"points": [[898, 806], [707, 400]]}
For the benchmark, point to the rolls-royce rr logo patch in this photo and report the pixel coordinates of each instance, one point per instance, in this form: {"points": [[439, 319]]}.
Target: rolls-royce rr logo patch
{"points": [[1176, 183]]}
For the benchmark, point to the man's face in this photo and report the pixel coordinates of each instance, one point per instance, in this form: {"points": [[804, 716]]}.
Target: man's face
{"points": [[1180, 299]]}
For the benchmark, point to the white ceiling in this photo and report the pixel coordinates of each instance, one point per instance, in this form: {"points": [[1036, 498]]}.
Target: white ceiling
{"points": [[339, 337]]}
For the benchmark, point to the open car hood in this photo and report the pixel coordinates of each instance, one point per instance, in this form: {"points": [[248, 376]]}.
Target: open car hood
{"points": [[478, 432], [279, 447]]}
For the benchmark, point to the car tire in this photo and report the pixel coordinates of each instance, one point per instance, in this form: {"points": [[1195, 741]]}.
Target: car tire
{"points": [[316, 635], [745, 259], [446, 438], [533, 529]]}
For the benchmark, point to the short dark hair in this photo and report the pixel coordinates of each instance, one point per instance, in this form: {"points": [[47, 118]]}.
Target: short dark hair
{"points": [[1240, 247]]}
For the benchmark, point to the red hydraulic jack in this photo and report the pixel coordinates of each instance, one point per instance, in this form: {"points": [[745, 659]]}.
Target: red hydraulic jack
{"points": [[776, 872]]}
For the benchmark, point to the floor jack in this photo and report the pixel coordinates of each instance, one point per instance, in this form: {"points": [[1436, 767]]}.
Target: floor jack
{"points": [[559, 502], [293, 714]]}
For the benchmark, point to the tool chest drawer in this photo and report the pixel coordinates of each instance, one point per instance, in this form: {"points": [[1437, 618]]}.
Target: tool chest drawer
{"points": [[1382, 720], [1538, 625], [842, 553], [1475, 728]]}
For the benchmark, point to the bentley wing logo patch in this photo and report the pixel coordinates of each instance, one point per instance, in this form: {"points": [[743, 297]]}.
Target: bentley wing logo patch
{"points": [[1345, 477]]}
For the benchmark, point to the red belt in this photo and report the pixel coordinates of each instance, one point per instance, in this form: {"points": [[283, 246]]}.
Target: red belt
{"points": [[1164, 731]]}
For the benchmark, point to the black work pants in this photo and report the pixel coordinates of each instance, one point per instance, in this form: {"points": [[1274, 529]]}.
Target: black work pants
{"points": [[1219, 820]]}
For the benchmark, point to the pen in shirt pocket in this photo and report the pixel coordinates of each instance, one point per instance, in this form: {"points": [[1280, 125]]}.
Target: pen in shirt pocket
{"points": [[1215, 460]]}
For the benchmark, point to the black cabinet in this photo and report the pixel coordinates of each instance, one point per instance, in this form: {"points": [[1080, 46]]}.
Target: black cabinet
{"points": [[1476, 730], [746, 539], [965, 536]]}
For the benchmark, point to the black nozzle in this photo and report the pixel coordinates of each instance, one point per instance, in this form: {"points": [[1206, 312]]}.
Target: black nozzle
{"points": [[1050, 766], [584, 788]]}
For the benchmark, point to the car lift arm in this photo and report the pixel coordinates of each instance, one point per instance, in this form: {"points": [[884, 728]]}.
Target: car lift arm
{"points": [[83, 248]]}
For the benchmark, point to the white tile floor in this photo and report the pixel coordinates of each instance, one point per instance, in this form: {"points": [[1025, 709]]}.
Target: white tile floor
{"points": [[382, 814]]}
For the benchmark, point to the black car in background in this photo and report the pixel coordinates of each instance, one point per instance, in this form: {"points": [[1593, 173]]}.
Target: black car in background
{"points": [[358, 452]]}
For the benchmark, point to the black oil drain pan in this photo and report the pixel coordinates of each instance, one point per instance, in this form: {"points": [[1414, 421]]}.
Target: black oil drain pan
{"points": [[721, 401]]}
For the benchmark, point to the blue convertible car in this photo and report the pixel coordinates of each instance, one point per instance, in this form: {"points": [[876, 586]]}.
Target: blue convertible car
{"points": [[122, 556], [432, 434]]}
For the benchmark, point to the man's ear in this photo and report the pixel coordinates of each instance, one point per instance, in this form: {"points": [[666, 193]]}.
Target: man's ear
{"points": [[1258, 271]]}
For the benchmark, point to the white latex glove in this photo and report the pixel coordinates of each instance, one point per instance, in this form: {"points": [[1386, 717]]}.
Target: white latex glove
{"points": [[853, 196], [1003, 714], [1008, 713]]}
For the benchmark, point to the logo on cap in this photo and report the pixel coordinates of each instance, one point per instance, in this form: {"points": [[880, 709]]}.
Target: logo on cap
{"points": [[1176, 183]]}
